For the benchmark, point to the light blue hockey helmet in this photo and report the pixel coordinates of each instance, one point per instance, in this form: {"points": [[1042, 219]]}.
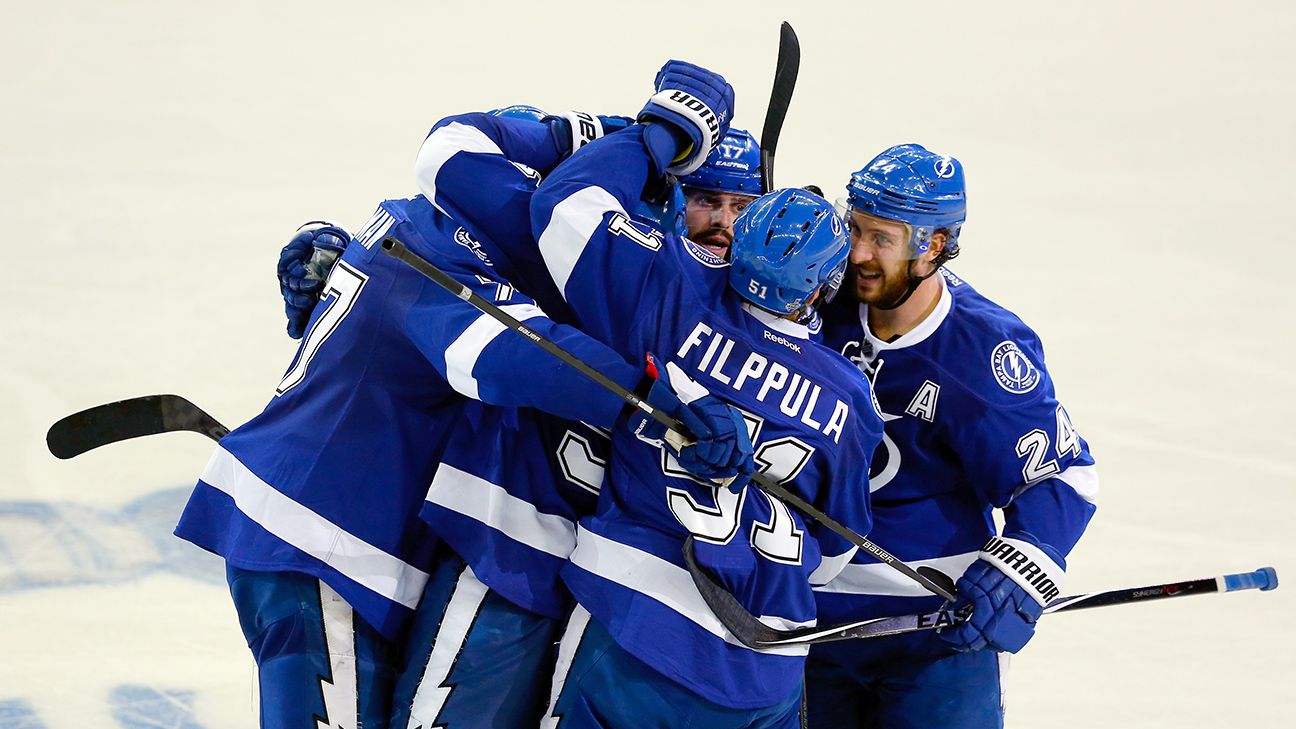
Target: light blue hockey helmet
{"points": [[733, 166], [909, 184], [787, 246], [519, 111]]}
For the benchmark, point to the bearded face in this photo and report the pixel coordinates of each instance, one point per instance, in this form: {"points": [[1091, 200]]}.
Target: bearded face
{"points": [[710, 217], [879, 258]]}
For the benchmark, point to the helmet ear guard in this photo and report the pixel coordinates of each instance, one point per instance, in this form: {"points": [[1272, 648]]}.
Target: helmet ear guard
{"points": [[789, 252]]}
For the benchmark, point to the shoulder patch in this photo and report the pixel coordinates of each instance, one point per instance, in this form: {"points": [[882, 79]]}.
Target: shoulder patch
{"points": [[467, 241], [1012, 369], [703, 256], [530, 173]]}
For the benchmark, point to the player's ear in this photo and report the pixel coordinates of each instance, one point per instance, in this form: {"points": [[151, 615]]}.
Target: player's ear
{"points": [[935, 247]]}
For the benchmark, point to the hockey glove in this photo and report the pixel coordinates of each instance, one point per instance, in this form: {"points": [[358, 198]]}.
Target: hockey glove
{"points": [[692, 109], [304, 264], [575, 129], [1007, 587], [722, 447]]}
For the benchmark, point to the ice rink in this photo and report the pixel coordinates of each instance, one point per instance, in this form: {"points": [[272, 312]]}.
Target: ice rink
{"points": [[1130, 166]]}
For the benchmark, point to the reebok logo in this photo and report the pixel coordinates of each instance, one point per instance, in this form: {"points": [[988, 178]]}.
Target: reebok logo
{"points": [[780, 340]]}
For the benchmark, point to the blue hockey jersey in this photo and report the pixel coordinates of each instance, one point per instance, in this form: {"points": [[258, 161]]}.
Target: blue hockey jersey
{"points": [[972, 425], [511, 485], [513, 482], [809, 412], [329, 478]]}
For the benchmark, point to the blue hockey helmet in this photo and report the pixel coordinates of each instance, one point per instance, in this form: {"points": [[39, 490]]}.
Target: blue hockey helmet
{"points": [[519, 111], [733, 166], [788, 245], [665, 212], [922, 189]]}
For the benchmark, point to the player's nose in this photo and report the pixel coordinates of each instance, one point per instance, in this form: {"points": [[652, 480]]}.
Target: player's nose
{"points": [[861, 252]]}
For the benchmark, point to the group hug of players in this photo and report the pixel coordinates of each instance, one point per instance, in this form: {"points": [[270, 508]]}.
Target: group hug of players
{"points": [[434, 523]]}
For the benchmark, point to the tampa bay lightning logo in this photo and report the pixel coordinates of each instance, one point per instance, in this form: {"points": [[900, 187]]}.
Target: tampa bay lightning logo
{"points": [[467, 241], [1012, 369], [944, 167], [836, 225]]}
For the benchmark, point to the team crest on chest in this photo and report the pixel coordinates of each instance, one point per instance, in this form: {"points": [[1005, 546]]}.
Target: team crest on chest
{"points": [[1012, 370]]}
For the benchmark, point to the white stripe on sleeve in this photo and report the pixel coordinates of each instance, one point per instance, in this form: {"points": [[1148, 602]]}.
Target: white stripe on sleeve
{"points": [[462, 354], [1084, 479], [574, 222], [443, 144]]}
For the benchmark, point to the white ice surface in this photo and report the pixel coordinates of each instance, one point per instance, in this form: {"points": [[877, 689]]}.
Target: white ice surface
{"points": [[1131, 166]]}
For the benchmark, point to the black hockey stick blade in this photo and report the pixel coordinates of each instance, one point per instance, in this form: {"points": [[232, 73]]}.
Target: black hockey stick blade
{"points": [[751, 632], [785, 78], [126, 419]]}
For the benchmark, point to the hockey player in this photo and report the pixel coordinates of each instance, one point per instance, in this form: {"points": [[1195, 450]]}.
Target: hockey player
{"points": [[704, 204], [509, 488], [511, 484], [313, 503], [642, 649], [972, 426]]}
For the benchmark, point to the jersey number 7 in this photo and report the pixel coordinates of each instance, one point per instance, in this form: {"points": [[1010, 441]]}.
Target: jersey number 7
{"points": [[341, 291]]}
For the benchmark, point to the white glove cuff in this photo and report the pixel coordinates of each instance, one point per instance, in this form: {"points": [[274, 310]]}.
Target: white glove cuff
{"points": [[1027, 565], [685, 387], [585, 128], [699, 115]]}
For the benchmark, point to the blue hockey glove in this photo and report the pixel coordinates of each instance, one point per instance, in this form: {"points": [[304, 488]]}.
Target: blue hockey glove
{"points": [[722, 449], [1007, 587], [304, 264], [575, 129], [694, 107]]}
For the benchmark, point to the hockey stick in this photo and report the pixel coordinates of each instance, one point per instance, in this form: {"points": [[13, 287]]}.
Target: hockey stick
{"points": [[750, 631], [116, 421], [397, 250], [785, 77]]}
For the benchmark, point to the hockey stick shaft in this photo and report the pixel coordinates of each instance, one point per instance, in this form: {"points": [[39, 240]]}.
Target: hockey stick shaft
{"points": [[398, 250], [785, 77], [1263, 579], [125, 419]]}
